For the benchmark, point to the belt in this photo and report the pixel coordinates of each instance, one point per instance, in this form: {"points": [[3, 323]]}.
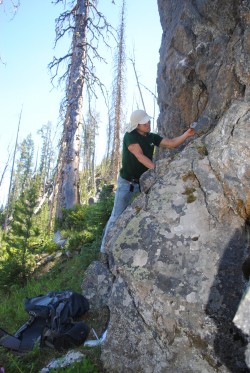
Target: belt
{"points": [[134, 181]]}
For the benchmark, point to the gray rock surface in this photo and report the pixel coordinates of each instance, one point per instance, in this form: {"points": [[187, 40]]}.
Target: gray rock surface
{"points": [[179, 255], [204, 61], [177, 282]]}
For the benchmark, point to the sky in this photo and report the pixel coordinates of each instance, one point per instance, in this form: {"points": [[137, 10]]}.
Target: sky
{"points": [[27, 47]]}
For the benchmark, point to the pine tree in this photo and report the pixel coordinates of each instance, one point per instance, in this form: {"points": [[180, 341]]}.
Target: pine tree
{"points": [[21, 175], [46, 157], [20, 233], [90, 127], [24, 165]]}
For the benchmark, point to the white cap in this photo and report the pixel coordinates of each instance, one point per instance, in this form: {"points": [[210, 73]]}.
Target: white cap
{"points": [[138, 117]]}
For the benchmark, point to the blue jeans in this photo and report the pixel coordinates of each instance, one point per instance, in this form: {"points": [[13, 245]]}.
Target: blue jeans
{"points": [[123, 197]]}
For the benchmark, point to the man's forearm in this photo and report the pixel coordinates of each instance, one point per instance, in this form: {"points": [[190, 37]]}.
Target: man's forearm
{"points": [[178, 140], [175, 142], [145, 161]]}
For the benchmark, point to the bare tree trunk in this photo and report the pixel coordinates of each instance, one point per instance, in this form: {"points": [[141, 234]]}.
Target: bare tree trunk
{"points": [[117, 142], [109, 136], [68, 189], [118, 97], [138, 84], [93, 166], [52, 200], [5, 168]]}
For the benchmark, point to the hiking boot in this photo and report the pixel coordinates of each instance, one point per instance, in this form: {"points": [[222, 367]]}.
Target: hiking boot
{"points": [[104, 259]]}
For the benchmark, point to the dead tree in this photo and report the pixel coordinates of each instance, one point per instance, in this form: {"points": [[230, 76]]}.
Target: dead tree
{"points": [[118, 97], [12, 10], [5, 168], [12, 6], [137, 82], [84, 19]]}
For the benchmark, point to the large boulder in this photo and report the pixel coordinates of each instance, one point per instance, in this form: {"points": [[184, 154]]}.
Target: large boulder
{"points": [[179, 255]]}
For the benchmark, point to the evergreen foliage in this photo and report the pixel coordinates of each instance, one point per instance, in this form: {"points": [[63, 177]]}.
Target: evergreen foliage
{"points": [[87, 176], [2, 216], [47, 157], [84, 224], [30, 207], [18, 263], [22, 174], [66, 273], [24, 165]]}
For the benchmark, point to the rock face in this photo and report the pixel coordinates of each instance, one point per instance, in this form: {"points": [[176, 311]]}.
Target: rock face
{"points": [[204, 61], [179, 255]]}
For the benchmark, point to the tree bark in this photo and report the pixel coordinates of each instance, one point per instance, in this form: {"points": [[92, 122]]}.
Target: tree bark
{"points": [[68, 189]]}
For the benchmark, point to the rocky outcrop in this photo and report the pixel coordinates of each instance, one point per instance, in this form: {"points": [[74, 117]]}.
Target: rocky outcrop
{"points": [[179, 255], [204, 61]]}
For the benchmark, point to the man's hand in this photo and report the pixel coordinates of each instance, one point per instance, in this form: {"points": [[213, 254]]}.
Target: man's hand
{"points": [[190, 132]]}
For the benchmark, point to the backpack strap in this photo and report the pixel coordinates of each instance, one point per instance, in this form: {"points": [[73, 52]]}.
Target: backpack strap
{"points": [[25, 325], [59, 310], [55, 315], [9, 341], [26, 336]]}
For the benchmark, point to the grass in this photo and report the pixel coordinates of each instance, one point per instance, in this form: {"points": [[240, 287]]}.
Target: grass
{"points": [[65, 273]]}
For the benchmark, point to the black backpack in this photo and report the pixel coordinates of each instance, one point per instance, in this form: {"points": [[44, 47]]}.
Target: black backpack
{"points": [[52, 322]]}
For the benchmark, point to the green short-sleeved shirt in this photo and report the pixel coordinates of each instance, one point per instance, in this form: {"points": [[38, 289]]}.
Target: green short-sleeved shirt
{"points": [[131, 167]]}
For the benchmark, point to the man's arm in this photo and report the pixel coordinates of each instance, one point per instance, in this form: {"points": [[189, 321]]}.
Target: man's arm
{"points": [[137, 151], [176, 141], [166, 143]]}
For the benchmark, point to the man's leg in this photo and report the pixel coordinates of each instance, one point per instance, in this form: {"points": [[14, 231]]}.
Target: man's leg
{"points": [[123, 197]]}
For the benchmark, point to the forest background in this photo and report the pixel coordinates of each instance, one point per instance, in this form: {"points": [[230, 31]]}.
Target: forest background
{"points": [[34, 131], [27, 47]]}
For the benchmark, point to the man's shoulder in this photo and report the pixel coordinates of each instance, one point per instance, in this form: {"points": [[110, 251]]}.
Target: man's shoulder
{"points": [[155, 137], [153, 134], [130, 136]]}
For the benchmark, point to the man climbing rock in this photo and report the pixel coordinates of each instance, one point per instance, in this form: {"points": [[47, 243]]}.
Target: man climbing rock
{"points": [[137, 155]]}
